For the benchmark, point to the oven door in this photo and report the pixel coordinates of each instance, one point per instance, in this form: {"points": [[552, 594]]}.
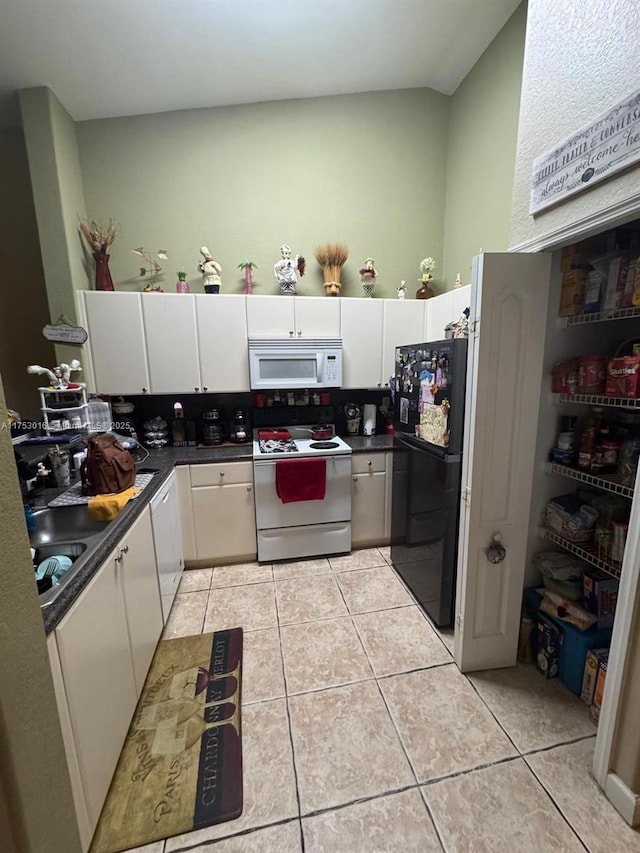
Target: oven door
{"points": [[336, 505]]}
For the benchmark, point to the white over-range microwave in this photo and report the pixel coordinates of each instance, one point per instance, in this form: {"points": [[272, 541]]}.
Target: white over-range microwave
{"points": [[296, 363]]}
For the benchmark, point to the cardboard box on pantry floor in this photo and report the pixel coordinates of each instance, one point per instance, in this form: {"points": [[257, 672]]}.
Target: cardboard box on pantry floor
{"points": [[591, 667]]}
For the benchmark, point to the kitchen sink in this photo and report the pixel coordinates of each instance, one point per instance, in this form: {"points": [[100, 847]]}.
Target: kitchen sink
{"points": [[64, 524]]}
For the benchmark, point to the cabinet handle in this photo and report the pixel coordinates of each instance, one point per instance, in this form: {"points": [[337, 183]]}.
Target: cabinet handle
{"points": [[290, 333], [249, 488], [369, 463], [119, 557], [196, 389], [299, 333], [355, 479], [379, 384], [221, 474], [145, 390], [204, 388], [125, 550]]}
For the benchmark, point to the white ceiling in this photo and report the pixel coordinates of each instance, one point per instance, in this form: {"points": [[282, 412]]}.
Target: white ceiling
{"points": [[125, 57]]}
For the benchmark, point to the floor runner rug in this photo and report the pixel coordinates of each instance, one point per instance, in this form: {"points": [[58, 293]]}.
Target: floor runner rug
{"points": [[181, 765]]}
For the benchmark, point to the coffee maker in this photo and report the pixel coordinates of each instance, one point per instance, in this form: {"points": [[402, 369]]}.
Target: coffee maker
{"points": [[214, 430], [240, 428]]}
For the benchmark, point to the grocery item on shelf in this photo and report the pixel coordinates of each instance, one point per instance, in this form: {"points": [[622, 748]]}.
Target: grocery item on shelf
{"points": [[599, 690], [590, 675], [574, 283], [561, 573], [600, 595], [623, 372], [592, 373], [567, 611], [565, 376], [591, 430], [548, 641], [570, 517], [628, 461]]}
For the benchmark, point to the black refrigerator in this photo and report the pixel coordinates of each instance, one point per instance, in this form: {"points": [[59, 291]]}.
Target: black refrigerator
{"points": [[429, 396]]}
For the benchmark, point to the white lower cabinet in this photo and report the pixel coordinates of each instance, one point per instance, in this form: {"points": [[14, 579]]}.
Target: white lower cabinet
{"points": [[141, 589], [370, 500], [104, 646], [223, 510], [99, 681]]}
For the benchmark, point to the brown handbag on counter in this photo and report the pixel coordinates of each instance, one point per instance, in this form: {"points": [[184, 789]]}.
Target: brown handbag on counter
{"points": [[109, 467]]}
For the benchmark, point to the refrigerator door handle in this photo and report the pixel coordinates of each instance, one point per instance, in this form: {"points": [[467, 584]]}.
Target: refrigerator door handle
{"points": [[496, 552]]}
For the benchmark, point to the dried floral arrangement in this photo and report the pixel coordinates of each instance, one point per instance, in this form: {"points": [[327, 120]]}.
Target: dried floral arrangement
{"points": [[98, 235], [331, 257]]}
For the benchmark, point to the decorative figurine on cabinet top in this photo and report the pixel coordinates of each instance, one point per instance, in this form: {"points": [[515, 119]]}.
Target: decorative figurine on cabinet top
{"points": [[210, 270], [247, 266], [332, 257], [402, 290], [368, 276], [426, 292], [151, 268], [287, 268], [60, 376]]}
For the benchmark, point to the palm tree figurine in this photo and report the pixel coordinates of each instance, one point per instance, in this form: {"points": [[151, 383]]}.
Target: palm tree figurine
{"points": [[247, 266]]}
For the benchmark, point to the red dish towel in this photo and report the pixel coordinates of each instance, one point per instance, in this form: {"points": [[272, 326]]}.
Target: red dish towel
{"points": [[301, 479]]}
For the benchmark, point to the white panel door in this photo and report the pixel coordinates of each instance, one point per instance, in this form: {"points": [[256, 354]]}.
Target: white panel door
{"points": [[403, 323], [440, 312], [172, 344], [510, 294], [116, 338], [361, 325], [222, 342], [271, 316], [317, 317]]}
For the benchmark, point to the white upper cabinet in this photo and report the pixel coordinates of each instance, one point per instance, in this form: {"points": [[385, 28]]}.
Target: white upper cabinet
{"points": [[291, 316], [172, 343], [222, 342], [361, 324], [116, 338], [443, 309], [403, 323]]}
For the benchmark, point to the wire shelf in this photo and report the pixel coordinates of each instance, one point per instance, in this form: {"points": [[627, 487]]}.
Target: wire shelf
{"points": [[604, 316], [599, 400], [611, 483], [588, 553]]}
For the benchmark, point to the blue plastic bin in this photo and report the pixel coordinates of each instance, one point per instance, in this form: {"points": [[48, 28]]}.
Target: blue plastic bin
{"points": [[575, 643]]}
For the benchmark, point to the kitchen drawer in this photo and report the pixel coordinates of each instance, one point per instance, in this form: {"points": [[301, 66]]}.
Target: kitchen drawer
{"points": [[219, 473], [365, 463]]}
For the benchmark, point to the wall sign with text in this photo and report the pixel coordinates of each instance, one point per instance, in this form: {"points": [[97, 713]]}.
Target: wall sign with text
{"points": [[606, 145]]}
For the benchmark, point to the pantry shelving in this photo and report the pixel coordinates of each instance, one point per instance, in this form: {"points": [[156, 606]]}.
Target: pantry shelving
{"points": [[610, 483], [588, 553], [604, 316], [599, 400]]}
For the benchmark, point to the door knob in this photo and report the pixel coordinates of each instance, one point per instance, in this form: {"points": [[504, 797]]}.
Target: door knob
{"points": [[496, 552]]}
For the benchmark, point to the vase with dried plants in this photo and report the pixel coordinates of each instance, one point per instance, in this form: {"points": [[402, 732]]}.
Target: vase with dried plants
{"points": [[99, 237], [331, 257]]}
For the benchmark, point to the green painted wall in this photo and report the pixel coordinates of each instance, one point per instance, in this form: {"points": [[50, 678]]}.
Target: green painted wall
{"points": [[23, 296], [54, 165], [483, 129], [366, 170], [34, 781]]}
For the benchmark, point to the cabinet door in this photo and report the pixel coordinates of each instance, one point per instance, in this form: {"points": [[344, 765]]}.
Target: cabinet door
{"points": [[368, 509], [270, 316], [79, 802], [222, 342], [172, 344], [224, 522], [141, 594], [439, 313], [361, 325], [403, 324], [95, 658], [183, 481], [317, 317], [460, 299], [116, 338]]}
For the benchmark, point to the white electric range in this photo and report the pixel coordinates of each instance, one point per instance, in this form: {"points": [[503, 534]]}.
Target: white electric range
{"points": [[301, 528]]}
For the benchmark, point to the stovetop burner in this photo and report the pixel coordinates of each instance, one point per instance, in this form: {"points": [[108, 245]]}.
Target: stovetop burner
{"points": [[278, 446], [324, 445]]}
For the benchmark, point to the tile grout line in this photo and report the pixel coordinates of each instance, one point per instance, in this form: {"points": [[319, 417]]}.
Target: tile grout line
{"points": [[398, 735], [557, 805], [286, 702], [200, 845]]}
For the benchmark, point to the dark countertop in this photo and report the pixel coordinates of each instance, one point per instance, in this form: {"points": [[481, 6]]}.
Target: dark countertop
{"points": [[163, 461]]}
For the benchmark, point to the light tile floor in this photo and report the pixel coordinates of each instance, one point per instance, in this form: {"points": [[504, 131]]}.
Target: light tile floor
{"points": [[360, 735]]}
